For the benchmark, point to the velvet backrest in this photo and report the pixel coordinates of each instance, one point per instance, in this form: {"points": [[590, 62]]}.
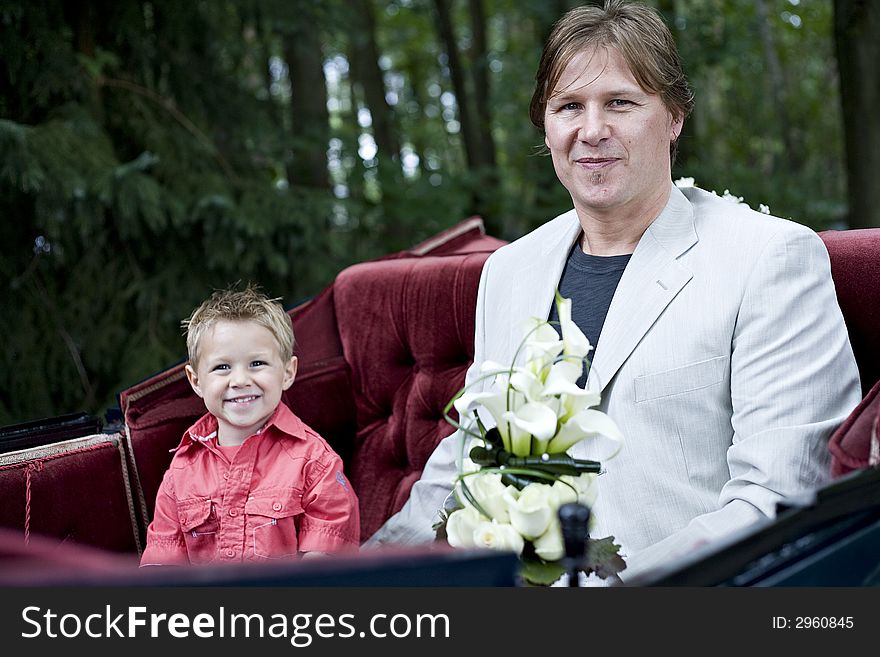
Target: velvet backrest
{"points": [[407, 330], [855, 267], [75, 491], [406, 323]]}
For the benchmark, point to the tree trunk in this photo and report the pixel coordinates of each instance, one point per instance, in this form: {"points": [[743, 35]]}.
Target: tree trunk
{"points": [[456, 73], [481, 84], [488, 187], [415, 77], [310, 127], [776, 87], [857, 37], [365, 70], [687, 140], [476, 131]]}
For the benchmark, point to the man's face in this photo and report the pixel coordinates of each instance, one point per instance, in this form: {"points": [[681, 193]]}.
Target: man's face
{"points": [[609, 139]]}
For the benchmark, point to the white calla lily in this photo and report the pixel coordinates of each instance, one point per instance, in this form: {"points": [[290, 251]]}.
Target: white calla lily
{"points": [[575, 343], [587, 424], [494, 402], [527, 383], [530, 419], [574, 404], [471, 400], [517, 440], [562, 379], [542, 346]]}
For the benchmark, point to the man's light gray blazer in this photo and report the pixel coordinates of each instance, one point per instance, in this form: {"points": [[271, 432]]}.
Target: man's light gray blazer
{"points": [[724, 360]]}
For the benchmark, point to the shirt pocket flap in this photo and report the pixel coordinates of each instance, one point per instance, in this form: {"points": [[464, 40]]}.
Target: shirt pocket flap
{"points": [[193, 513], [274, 504], [679, 380]]}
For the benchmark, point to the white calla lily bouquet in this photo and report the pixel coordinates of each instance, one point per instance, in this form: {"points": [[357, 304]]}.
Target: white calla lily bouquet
{"points": [[516, 474]]}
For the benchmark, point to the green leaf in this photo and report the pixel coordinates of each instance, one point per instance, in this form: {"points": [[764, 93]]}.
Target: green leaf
{"points": [[540, 573], [603, 557], [439, 527]]}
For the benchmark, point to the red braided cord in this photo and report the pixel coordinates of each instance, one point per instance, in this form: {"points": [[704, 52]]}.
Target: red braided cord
{"points": [[35, 466]]}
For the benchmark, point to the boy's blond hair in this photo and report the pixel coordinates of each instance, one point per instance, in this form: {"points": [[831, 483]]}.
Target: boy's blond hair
{"points": [[248, 304]]}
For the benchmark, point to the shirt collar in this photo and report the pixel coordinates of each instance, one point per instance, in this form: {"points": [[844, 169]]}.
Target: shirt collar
{"points": [[283, 419]]}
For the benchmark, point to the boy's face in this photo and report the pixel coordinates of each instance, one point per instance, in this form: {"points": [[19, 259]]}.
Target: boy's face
{"points": [[241, 376]]}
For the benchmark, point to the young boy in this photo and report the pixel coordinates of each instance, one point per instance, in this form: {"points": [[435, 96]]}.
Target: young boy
{"points": [[249, 481]]}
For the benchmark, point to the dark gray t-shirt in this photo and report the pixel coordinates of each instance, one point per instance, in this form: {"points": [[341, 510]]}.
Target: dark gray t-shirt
{"points": [[589, 281]]}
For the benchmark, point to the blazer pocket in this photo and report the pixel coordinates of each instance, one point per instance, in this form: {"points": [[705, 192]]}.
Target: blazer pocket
{"points": [[679, 380]]}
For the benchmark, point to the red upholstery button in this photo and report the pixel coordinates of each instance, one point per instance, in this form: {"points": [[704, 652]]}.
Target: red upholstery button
{"points": [[277, 506], [233, 512]]}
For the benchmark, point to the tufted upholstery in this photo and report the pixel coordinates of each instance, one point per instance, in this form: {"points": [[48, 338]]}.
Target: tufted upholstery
{"points": [[855, 266], [407, 333]]}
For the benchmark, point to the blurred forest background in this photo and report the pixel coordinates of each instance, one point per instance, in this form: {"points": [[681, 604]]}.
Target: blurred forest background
{"points": [[154, 150]]}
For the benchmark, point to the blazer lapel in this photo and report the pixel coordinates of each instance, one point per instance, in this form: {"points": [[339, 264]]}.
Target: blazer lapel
{"points": [[533, 286], [651, 280]]}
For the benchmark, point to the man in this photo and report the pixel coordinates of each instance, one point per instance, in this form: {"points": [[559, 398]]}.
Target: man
{"points": [[721, 352]]}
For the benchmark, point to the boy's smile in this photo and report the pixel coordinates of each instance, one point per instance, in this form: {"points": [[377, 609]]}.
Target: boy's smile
{"points": [[240, 375]]}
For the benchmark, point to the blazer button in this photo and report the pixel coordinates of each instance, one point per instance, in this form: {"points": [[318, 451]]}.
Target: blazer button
{"points": [[233, 512], [230, 553], [277, 506]]}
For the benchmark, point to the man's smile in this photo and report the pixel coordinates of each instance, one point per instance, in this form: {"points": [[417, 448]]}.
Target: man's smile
{"points": [[596, 162]]}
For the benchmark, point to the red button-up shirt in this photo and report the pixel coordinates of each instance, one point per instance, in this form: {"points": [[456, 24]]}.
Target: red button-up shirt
{"points": [[282, 493]]}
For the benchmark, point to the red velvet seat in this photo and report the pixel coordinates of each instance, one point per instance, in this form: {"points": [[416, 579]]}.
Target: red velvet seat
{"points": [[407, 329], [855, 266], [76, 491]]}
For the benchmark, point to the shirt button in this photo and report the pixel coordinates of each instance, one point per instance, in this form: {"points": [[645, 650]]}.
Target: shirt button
{"points": [[230, 553], [233, 512], [277, 506]]}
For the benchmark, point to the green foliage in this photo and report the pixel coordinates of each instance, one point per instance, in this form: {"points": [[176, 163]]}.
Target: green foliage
{"points": [[776, 142], [146, 150]]}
